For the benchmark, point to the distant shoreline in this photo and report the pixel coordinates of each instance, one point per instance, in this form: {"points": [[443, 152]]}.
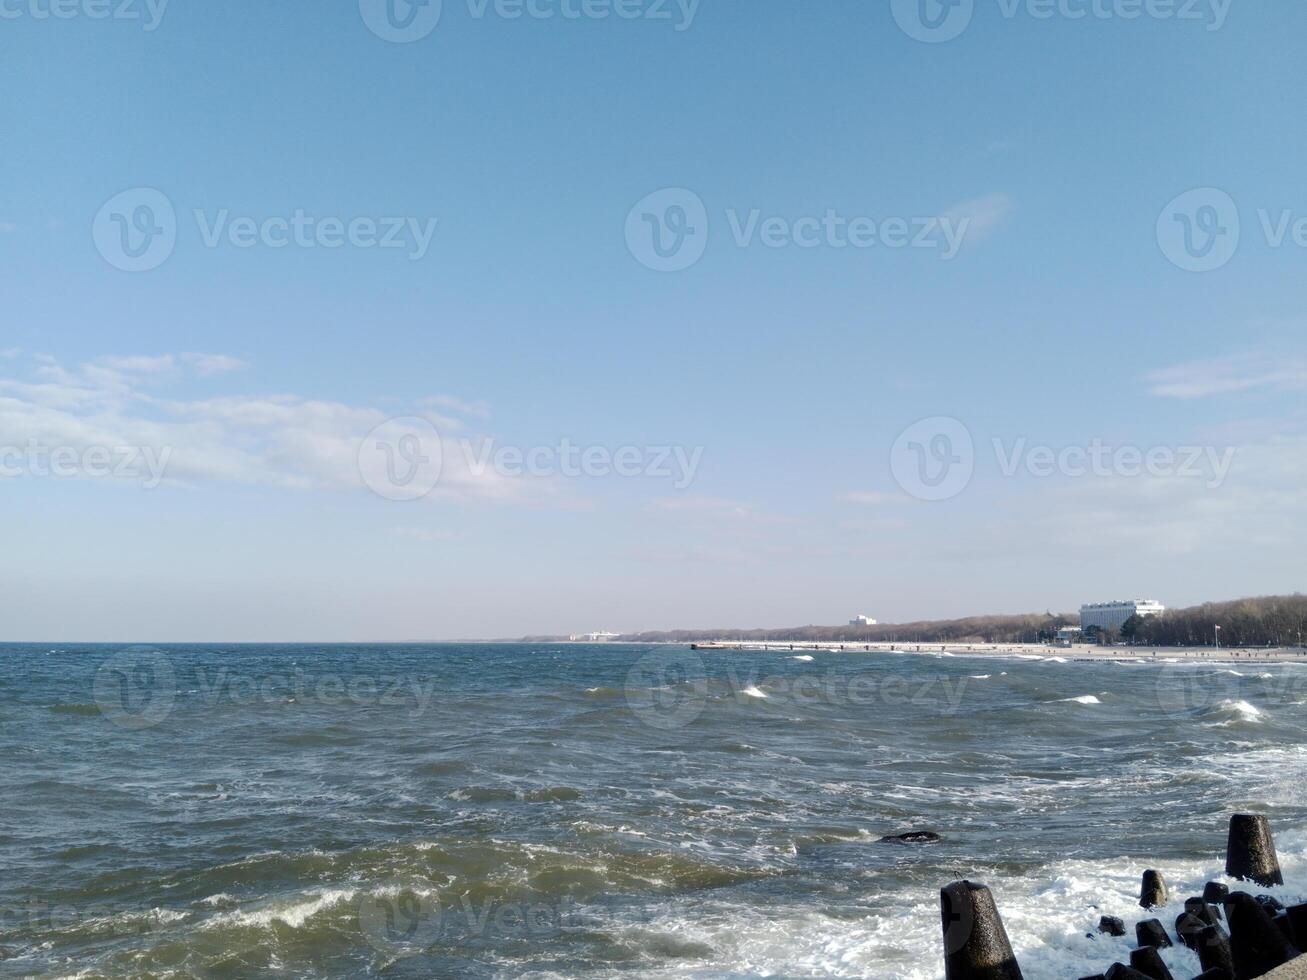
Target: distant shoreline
{"points": [[1084, 652], [1081, 652]]}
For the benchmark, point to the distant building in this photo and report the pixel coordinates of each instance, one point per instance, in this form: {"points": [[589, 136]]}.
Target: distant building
{"points": [[1111, 615], [1069, 635], [862, 621], [599, 636]]}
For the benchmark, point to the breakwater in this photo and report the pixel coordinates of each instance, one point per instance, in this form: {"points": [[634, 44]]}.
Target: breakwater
{"points": [[1236, 934]]}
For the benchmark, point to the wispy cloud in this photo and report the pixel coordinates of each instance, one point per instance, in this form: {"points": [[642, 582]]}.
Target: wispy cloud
{"points": [[869, 498], [426, 535], [207, 364], [1229, 375], [278, 440], [983, 215], [711, 506], [457, 405], [7, 227], [139, 363]]}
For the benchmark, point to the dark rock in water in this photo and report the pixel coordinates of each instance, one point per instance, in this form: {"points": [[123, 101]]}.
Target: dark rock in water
{"points": [[1258, 945], [1096, 976], [1214, 951], [1111, 925], [1119, 971], [1151, 932], [1203, 909], [1250, 853], [912, 837], [1298, 923], [1281, 920], [1270, 903], [1153, 891], [1216, 973], [1148, 962], [1216, 892], [976, 946], [1188, 927]]}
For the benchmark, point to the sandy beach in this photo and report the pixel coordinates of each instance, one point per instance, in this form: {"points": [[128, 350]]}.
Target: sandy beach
{"points": [[1077, 652]]}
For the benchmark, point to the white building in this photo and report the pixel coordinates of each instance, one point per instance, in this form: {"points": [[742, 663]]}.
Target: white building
{"points": [[599, 636], [862, 621], [1111, 615]]}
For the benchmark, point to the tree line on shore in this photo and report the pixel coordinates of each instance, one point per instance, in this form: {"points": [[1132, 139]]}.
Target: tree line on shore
{"points": [[1266, 621], [1261, 621]]}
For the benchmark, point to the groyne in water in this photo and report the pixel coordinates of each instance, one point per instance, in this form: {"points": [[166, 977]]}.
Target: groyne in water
{"points": [[1236, 934]]}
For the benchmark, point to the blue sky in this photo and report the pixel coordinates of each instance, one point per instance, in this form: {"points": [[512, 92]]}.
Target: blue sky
{"points": [[1057, 142]]}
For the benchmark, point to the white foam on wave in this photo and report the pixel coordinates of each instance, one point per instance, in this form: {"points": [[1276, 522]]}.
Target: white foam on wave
{"points": [[804, 657], [753, 692], [1233, 712], [1083, 699], [981, 677], [1055, 660], [1048, 915], [293, 914]]}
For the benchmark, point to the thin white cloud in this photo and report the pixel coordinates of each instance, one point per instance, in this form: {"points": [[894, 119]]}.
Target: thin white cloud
{"points": [[272, 440], [139, 363], [207, 364], [1229, 375], [868, 498], [426, 535], [457, 405], [982, 214], [712, 506]]}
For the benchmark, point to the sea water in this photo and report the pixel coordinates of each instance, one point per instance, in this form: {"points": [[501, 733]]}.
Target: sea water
{"points": [[536, 810]]}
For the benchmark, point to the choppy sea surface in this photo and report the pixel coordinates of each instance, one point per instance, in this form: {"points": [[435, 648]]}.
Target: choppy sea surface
{"points": [[610, 811]]}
